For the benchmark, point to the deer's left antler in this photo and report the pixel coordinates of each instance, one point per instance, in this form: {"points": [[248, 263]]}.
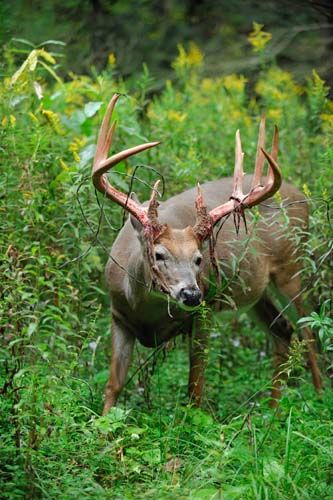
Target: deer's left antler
{"points": [[238, 200]]}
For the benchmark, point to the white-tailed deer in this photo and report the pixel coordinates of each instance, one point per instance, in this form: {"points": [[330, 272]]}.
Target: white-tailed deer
{"points": [[159, 263]]}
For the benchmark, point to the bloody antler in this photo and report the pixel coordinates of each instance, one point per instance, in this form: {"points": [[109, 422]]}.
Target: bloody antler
{"points": [[238, 200], [147, 216]]}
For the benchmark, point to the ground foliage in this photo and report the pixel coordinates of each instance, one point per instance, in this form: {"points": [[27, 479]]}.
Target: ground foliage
{"points": [[55, 341]]}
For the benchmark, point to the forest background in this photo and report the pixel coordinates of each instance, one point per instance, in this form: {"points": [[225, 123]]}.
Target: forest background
{"points": [[191, 74]]}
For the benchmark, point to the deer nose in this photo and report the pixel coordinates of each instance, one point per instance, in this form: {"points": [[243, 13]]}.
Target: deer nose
{"points": [[191, 296]]}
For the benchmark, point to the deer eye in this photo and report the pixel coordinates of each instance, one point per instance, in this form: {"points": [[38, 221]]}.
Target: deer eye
{"points": [[198, 261], [160, 256]]}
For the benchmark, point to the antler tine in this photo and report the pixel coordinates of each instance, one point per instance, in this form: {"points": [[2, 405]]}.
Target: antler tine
{"points": [[238, 171], [153, 203], [237, 195], [118, 157], [274, 152], [274, 176], [203, 224], [275, 143], [105, 134], [260, 159], [199, 201], [102, 164]]}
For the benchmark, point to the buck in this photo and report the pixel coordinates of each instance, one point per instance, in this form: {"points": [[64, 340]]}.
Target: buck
{"points": [[161, 263]]}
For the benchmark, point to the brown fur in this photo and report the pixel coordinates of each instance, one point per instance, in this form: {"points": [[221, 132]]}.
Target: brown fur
{"points": [[268, 252]]}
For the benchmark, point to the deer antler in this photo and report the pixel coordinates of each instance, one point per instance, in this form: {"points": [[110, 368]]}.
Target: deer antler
{"points": [[238, 200], [146, 215]]}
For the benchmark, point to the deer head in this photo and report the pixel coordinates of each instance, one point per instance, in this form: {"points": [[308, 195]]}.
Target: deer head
{"points": [[173, 256]]}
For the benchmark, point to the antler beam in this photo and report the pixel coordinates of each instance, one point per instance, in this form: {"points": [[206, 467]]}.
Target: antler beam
{"points": [[103, 164]]}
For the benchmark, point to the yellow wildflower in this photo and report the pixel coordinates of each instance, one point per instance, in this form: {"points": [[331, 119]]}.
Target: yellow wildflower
{"points": [[175, 116], [207, 84], [181, 59], [317, 81], [255, 211], [12, 120], [151, 113], [64, 165], [77, 143], [29, 64], [277, 197], [75, 147], [33, 117], [73, 98], [327, 118], [195, 56], [234, 82], [247, 121], [274, 114], [235, 114], [112, 59], [190, 59], [53, 120], [46, 56], [278, 85], [76, 157], [325, 195], [259, 38], [306, 190]]}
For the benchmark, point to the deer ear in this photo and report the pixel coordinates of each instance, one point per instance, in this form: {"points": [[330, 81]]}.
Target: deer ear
{"points": [[137, 226], [134, 197], [205, 245]]}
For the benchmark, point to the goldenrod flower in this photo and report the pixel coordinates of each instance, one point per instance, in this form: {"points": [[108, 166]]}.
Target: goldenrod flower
{"points": [[306, 190], [274, 114], [234, 82], [259, 38], [75, 146], [175, 116], [53, 120], [64, 165], [33, 117], [112, 59], [190, 59]]}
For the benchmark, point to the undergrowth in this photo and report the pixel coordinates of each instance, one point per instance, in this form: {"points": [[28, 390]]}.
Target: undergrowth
{"points": [[55, 340]]}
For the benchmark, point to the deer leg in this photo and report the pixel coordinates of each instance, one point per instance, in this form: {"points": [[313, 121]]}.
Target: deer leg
{"points": [[198, 361], [281, 332], [292, 290], [307, 335], [122, 348]]}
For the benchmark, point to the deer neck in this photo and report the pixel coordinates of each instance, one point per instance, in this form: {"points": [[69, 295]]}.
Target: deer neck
{"points": [[137, 280]]}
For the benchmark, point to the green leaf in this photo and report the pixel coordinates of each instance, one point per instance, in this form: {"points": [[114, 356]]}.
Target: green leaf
{"points": [[91, 108], [111, 422]]}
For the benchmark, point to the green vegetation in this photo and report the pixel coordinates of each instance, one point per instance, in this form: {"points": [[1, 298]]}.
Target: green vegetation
{"points": [[55, 341], [150, 31]]}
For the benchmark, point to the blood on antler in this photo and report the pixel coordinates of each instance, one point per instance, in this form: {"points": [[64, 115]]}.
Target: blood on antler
{"points": [[239, 201], [147, 216]]}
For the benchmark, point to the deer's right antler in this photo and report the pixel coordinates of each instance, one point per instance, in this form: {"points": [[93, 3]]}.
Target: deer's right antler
{"points": [[147, 216]]}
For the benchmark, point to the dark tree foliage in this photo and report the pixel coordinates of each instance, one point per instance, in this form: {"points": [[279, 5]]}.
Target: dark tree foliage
{"points": [[149, 31]]}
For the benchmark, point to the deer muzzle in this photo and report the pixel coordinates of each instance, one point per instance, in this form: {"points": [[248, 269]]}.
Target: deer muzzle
{"points": [[191, 296]]}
